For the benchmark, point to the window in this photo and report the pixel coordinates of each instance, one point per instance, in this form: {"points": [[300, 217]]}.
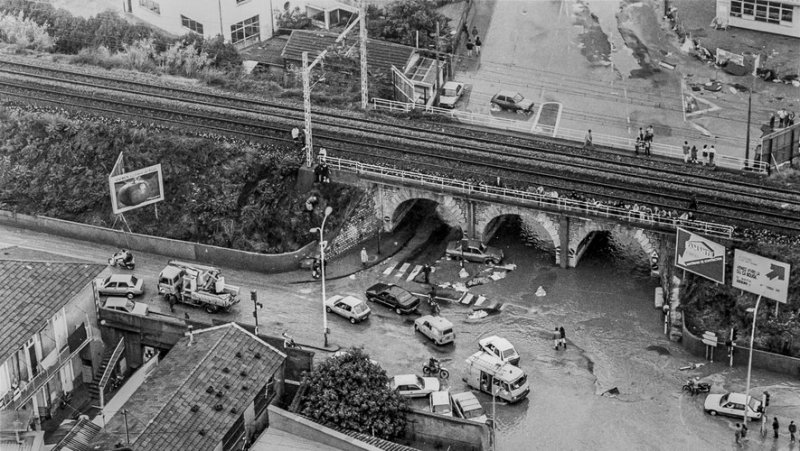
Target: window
{"points": [[151, 5], [786, 14], [763, 11], [736, 8], [246, 32], [192, 25]]}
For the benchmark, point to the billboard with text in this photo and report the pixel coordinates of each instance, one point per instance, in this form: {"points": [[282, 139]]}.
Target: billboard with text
{"points": [[700, 256]]}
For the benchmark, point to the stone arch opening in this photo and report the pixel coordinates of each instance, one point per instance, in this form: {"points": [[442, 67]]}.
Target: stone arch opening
{"points": [[634, 246]]}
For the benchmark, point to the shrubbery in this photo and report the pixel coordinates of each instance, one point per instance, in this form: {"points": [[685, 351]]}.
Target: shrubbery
{"points": [[24, 33], [709, 306], [218, 191]]}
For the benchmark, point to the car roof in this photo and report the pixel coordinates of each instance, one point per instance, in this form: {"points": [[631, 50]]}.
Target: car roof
{"points": [[120, 278], [440, 397], [380, 286], [438, 321], [738, 398], [498, 342], [508, 93], [467, 400], [116, 301], [351, 300], [405, 379], [170, 272], [451, 85]]}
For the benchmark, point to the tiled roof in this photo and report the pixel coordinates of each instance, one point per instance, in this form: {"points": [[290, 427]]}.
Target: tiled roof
{"points": [[374, 441], [268, 52], [159, 412], [31, 292], [381, 55]]}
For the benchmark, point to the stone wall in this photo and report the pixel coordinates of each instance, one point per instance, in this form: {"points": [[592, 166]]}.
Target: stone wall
{"points": [[362, 224], [443, 432]]}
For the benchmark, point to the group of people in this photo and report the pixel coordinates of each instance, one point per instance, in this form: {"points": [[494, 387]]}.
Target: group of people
{"points": [[690, 154], [644, 141], [559, 338], [473, 42], [785, 118], [740, 430]]}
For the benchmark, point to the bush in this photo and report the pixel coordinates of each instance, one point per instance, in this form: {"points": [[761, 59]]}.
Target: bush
{"points": [[292, 19], [24, 33]]}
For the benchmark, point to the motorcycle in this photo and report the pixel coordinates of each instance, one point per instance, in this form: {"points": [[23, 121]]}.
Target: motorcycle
{"points": [[288, 341], [316, 269], [122, 259], [696, 387], [434, 368]]}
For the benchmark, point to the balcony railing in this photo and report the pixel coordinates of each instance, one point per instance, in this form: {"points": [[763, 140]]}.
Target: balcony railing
{"points": [[533, 199], [17, 398]]}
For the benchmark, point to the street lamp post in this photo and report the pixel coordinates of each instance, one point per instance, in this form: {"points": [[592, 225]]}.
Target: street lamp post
{"points": [[321, 230], [750, 360]]}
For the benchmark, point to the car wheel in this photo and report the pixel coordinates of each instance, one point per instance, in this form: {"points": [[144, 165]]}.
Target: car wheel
{"points": [[328, 309], [352, 320], [492, 261], [370, 299], [494, 106], [211, 308], [398, 311], [521, 112], [713, 413], [130, 295]]}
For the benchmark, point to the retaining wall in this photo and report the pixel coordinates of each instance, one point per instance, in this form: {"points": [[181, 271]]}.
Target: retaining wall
{"points": [[283, 420], [444, 432], [761, 359], [182, 250]]}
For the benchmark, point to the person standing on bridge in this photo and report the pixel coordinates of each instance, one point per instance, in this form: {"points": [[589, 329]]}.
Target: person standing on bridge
{"points": [[686, 152], [705, 154], [694, 154], [587, 140], [712, 152]]}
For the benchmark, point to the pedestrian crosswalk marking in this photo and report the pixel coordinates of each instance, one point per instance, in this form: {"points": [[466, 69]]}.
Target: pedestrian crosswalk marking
{"points": [[467, 298], [402, 270], [414, 273], [480, 300], [389, 270]]}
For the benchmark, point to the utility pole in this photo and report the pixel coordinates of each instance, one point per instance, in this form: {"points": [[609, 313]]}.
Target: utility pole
{"points": [[127, 435], [307, 103], [438, 65], [256, 305], [362, 34]]}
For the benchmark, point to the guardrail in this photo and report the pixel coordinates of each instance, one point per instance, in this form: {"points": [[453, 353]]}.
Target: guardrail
{"points": [[535, 198], [484, 120], [101, 386]]}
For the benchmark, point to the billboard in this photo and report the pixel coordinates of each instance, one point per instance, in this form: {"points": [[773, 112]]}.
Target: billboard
{"points": [[136, 189], [700, 256], [761, 275]]}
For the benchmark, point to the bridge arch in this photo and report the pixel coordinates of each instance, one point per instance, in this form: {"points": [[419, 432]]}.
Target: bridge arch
{"points": [[585, 231], [395, 202], [489, 217]]}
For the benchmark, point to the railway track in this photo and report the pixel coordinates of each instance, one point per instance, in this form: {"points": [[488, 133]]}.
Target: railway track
{"points": [[519, 171]]}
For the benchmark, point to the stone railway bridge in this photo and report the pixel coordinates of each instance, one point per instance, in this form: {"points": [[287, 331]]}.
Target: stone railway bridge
{"points": [[568, 226]]}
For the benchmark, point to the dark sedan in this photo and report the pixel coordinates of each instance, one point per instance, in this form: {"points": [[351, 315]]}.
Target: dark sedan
{"points": [[394, 297]]}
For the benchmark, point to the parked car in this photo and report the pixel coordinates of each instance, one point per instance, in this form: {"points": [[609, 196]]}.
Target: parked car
{"points": [[733, 404], [438, 329], [350, 307], [126, 305], [467, 407], [451, 92], [501, 348], [474, 251], [394, 297], [121, 285], [512, 101], [414, 386], [440, 403]]}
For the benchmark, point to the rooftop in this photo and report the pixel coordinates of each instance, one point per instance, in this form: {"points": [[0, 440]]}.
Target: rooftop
{"points": [[160, 416], [381, 55], [31, 292]]}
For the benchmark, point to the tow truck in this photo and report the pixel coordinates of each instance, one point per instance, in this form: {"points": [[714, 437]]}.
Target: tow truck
{"points": [[197, 285]]}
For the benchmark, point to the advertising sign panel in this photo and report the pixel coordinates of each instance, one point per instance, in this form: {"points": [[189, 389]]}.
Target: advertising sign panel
{"points": [[761, 275], [700, 256], [136, 189]]}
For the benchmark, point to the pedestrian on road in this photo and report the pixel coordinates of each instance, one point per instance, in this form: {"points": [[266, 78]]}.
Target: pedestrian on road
{"points": [[171, 300], [563, 335], [587, 140], [426, 270], [775, 426], [705, 154], [686, 152], [478, 44], [556, 339], [469, 47], [694, 154], [792, 431], [737, 433], [712, 152], [364, 257], [474, 31]]}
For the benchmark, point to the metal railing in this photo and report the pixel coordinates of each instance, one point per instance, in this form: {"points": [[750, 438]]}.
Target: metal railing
{"points": [[534, 199], [664, 150], [101, 386]]}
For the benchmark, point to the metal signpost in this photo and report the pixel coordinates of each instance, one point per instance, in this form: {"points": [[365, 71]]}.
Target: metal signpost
{"points": [[700, 256]]}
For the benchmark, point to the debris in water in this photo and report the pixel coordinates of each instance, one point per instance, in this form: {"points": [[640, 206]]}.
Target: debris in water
{"points": [[659, 349], [540, 292], [612, 392], [463, 273]]}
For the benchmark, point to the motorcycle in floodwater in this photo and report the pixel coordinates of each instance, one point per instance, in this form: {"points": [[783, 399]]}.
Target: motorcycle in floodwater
{"points": [[695, 387], [434, 368], [122, 259]]}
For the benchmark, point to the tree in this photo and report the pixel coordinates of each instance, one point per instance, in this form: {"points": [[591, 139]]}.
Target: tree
{"points": [[292, 19], [352, 391], [401, 20]]}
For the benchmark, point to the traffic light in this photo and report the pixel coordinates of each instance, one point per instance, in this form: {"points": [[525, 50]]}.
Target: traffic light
{"points": [[766, 399], [735, 335], [253, 295]]}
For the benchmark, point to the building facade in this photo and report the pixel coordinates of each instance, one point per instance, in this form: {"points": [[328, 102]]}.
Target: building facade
{"points": [[771, 16], [240, 22], [49, 338]]}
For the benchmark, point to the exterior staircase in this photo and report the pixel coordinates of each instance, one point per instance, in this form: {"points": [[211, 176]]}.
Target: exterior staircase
{"points": [[101, 376]]}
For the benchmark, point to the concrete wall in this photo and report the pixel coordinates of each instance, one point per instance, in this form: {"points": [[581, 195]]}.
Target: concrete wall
{"points": [[286, 421], [761, 359], [442, 432], [182, 250]]}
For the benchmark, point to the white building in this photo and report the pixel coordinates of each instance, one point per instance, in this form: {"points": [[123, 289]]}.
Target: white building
{"points": [[241, 22], [771, 16]]}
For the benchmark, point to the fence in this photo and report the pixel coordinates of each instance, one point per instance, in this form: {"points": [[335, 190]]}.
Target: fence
{"points": [[538, 199], [466, 117]]}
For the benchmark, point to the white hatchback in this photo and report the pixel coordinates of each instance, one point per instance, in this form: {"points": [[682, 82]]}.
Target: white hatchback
{"points": [[733, 404], [500, 348], [350, 307]]}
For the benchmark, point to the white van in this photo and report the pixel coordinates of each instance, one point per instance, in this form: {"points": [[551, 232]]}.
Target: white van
{"points": [[491, 375]]}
